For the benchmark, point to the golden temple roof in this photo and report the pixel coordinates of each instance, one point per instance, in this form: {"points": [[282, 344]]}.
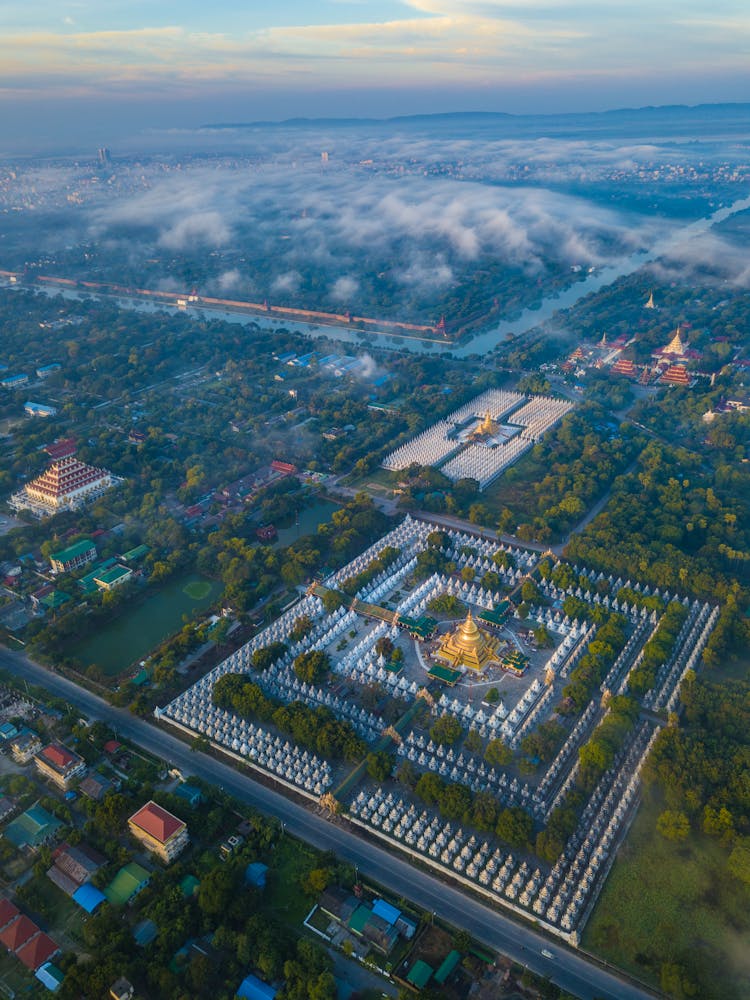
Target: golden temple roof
{"points": [[467, 645]]}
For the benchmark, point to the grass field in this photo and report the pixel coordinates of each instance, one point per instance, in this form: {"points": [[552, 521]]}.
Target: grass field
{"points": [[198, 590], [674, 903], [291, 859]]}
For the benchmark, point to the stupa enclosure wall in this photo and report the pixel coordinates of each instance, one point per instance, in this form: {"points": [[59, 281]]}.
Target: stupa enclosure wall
{"points": [[559, 895]]}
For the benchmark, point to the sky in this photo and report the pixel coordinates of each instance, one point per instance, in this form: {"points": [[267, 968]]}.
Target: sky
{"points": [[69, 67]]}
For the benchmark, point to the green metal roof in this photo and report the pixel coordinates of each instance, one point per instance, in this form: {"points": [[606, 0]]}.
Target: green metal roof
{"points": [[32, 827], [73, 551], [86, 583], [359, 918], [448, 965], [419, 974], [441, 673], [112, 575], [497, 615], [126, 883], [55, 600], [137, 553], [423, 626]]}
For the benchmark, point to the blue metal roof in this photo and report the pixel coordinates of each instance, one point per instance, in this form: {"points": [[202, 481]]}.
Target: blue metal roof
{"points": [[386, 911], [88, 897], [252, 988], [255, 874]]}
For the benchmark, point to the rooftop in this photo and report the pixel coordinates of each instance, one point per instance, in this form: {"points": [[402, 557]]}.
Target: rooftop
{"points": [[126, 883], [79, 548], [37, 951], [59, 757], [157, 822], [18, 932]]}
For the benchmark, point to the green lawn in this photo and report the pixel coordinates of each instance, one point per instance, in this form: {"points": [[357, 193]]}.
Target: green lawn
{"points": [[289, 861], [674, 903], [58, 911], [16, 977], [198, 590]]}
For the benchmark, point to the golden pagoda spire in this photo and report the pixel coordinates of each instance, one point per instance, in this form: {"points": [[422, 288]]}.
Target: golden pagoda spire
{"points": [[650, 302], [676, 345]]}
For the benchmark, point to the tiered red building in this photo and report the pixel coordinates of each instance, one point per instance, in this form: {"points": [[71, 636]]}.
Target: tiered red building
{"points": [[66, 484], [624, 366]]}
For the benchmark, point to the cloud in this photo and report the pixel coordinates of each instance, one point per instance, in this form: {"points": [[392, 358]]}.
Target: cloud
{"points": [[229, 280], [208, 228], [705, 259], [288, 282], [344, 288]]}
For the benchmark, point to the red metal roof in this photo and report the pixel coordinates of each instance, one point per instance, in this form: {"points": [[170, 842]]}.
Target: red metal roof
{"points": [[61, 448], [7, 912], [157, 822], [37, 951], [18, 933], [58, 755]]}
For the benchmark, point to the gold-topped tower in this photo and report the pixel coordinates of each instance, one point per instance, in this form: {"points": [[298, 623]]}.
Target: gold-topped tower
{"points": [[468, 646], [487, 428]]}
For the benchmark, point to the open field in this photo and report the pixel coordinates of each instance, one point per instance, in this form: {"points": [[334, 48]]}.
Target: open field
{"points": [[668, 902]]}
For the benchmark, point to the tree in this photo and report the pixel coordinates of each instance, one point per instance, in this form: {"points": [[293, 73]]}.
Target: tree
{"points": [[738, 864], [312, 665], [446, 730], [301, 627], [316, 880], [407, 774], [379, 765], [473, 742], [673, 825], [332, 601], [264, 657], [515, 826], [498, 753]]}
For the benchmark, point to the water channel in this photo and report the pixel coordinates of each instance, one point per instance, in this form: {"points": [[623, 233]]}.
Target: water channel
{"points": [[484, 342]]}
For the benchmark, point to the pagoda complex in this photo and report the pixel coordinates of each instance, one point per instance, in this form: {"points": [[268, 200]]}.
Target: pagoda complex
{"points": [[66, 485], [468, 646]]}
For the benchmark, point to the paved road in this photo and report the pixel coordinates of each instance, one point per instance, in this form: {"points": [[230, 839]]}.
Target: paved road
{"points": [[571, 971]]}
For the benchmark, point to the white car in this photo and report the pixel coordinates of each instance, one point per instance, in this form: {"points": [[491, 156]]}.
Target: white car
{"points": [[546, 953]]}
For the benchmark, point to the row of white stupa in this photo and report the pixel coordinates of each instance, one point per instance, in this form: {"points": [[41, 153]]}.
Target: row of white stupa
{"points": [[561, 897], [299, 767], [467, 770], [566, 893], [689, 647], [409, 537], [438, 441], [485, 464], [485, 549]]}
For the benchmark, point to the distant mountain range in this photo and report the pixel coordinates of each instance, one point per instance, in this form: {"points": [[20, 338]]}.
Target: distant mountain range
{"points": [[667, 111]]}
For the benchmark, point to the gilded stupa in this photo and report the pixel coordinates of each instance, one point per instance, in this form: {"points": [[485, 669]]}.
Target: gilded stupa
{"points": [[467, 646], [676, 346], [487, 428]]}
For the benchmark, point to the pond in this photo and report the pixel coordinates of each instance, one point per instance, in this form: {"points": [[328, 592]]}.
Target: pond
{"points": [[128, 639], [306, 523]]}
